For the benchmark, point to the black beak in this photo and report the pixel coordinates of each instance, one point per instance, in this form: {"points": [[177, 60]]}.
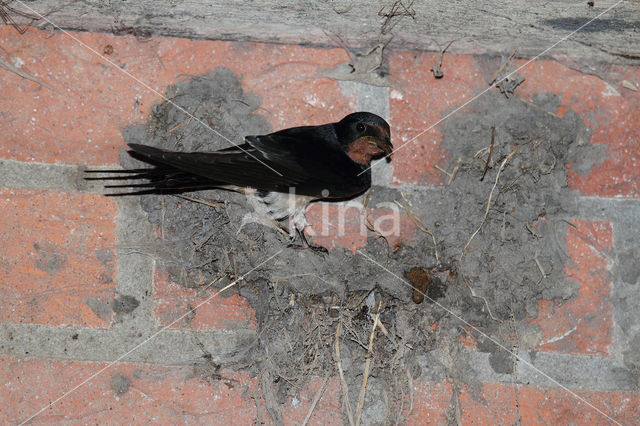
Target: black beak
{"points": [[384, 144]]}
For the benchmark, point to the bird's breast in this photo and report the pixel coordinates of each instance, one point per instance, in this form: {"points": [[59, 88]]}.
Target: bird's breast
{"points": [[278, 205]]}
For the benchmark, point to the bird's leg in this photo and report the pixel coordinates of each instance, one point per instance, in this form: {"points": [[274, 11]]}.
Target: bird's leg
{"points": [[306, 243], [299, 223]]}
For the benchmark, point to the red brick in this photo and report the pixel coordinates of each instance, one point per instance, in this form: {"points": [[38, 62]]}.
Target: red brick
{"points": [[85, 125], [58, 251], [171, 395], [582, 325], [499, 403], [611, 112], [168, 395], [417, 102], [180, 395], [553, 405], [171, 301], [430, 403], [287, 78], [344, 225]]}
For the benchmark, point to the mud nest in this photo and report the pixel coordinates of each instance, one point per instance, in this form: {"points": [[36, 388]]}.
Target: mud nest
{"points": [[492, 246]]}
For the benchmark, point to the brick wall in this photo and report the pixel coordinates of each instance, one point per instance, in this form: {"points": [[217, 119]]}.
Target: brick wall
{"points": [[83, 312]]}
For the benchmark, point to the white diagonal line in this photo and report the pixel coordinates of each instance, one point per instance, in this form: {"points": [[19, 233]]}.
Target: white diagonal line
{"points": [[518, 357], [495, 83], [112, 363], [128, 74]]}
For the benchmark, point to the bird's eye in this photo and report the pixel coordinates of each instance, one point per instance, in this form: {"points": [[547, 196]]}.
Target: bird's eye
{"points": [[360, 127]]}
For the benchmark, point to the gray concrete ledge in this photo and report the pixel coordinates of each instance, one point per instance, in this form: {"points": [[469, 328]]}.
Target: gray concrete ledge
{"points": [[169, 347], [571, 371], [479, 27]]}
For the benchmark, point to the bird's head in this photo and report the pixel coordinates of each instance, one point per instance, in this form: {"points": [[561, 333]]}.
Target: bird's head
{"points": [[365, 137]]}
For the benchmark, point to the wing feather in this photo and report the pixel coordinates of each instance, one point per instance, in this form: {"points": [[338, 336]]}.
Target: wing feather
{"points": [[307, 158]]}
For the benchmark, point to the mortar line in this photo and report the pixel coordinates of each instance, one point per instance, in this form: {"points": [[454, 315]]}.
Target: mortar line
{"points": [[633, 201], [133, 77], [518, 357], [118, 359], [618, 284], [126, 262], [413, 139], [582, 364]]}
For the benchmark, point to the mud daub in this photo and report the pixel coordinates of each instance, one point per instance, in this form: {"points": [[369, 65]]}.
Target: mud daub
{"points": [[306, 302]]}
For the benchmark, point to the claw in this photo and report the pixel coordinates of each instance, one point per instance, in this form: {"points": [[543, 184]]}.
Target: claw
{"points": [[306, 245]]}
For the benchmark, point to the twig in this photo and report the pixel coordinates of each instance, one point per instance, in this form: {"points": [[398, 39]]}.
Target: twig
{"points": [[10, 67], [486, 166], [484, 218], [473, 294], [367, 365], [367, 221], [513, 182], [242, 102], [504, 64], [453, 172], [182, 123], [386, 333], [420, 225], [4, 14], [437, 68], [480, 152], [345, 388], [544, 274], [486, 212], [216, 279], [393, 12], [275, 294], [196, 200], [367, 197], [317, 397], [442, 170]]}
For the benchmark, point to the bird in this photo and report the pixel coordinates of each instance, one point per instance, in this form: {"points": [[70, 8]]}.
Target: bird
{"points": [[281, 173]]}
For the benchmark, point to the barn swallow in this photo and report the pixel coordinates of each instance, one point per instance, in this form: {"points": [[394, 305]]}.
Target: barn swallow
{"points": [[280, 173]]}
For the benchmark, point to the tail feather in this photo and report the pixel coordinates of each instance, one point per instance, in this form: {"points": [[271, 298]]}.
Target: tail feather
{"points": [[165, 191], [176, 172], [128, 177], [139, 185], [117, 171], [159, 179]]}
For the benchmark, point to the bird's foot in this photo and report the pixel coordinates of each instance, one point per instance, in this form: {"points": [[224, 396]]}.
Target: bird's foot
{"points": [[316, 249], [305, 243]]}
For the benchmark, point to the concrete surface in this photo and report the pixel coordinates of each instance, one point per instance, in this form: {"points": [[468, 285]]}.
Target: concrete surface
{"points": [[493, 27]]}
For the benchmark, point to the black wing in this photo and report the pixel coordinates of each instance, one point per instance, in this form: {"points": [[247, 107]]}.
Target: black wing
{"points": [[308, 159]]}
